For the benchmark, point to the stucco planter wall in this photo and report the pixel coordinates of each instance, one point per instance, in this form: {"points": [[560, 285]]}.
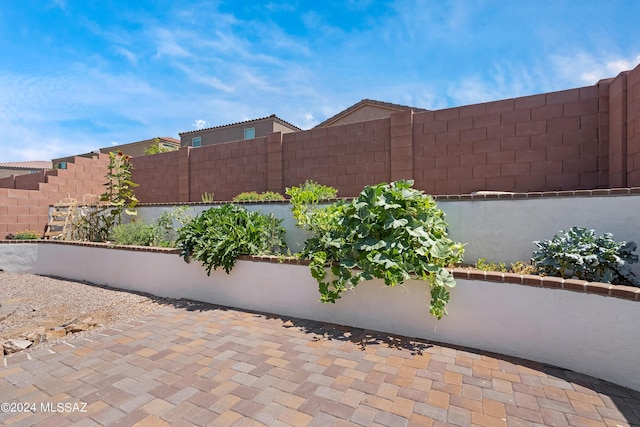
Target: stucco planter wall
{"points": [[582, 331], [500, 228]]}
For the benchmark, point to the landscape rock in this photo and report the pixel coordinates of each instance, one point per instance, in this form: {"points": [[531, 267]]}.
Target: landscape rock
{"points": [[57, 332], [15, 345]]}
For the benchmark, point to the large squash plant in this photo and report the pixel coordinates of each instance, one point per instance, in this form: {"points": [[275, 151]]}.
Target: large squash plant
{"points": [[391, 232]]}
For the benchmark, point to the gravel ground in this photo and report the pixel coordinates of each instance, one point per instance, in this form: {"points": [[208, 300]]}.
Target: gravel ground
{"points": [[30, 303]]}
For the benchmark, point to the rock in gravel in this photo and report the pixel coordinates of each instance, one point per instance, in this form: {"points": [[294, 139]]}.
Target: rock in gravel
{"points": [[54, 333], [15, 345]]}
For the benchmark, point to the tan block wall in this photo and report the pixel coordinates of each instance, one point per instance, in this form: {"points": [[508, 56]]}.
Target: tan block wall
{"points": [[27, 205]]}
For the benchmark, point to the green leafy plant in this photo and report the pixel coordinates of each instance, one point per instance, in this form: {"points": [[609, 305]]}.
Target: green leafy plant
{"points": [[252, 196], [134, 233], [391, 232], [119, 194], [95, 221], [519, 267], [578, 252], [219, 235], [483, 265], [304, 200], [26, 235], [166, 225], [206, 197]]}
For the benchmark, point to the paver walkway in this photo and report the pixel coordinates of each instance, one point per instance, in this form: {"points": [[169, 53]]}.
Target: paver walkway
{"points": [[196, 364]]}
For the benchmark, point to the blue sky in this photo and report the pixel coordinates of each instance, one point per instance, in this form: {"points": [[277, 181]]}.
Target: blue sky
{"points": [[77, 75]]}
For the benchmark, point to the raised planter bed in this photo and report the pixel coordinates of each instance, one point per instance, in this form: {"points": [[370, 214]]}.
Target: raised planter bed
{"points": [[586, 327]]}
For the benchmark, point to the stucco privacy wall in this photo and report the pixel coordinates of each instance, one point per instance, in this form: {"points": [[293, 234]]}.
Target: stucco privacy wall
{"points": [[500, 230], [545, 325], [582, 138], [24, 202]]}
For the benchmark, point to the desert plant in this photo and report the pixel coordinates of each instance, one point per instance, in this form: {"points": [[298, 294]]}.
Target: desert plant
{"points": [[219, 235], [134, 233], [391, 232], [579, 253], [207, 197], [252, 196]]}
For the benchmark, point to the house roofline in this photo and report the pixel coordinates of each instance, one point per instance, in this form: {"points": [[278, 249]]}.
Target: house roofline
{"points": [[364, 102], [273, 116]]}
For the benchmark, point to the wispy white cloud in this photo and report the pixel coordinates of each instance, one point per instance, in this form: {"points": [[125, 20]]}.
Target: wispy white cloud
{"points": [[587, 68], [127, 54], [167, 46], [503, 81], [201, 124]]}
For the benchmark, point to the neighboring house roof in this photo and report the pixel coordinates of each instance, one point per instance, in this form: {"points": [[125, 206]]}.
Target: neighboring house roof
{"points": [[367, 103], [36, 164], [168, 138], [144, 141], [273, 116]]}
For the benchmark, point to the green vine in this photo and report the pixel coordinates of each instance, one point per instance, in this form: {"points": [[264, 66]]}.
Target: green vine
{"points": [[390, 232]]}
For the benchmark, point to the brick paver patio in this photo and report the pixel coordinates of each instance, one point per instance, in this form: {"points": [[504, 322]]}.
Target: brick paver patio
{"points": [[196, 364]]}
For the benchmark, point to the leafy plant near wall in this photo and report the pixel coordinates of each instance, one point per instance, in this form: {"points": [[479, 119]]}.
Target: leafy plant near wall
{"points": [[219, 235], [252, 196], [134, 233], [391, 232], [95, 220], [578, 252], [24, 235], [519, 267], [161, 232], [119, 194], [304, 200], [164, 227]]}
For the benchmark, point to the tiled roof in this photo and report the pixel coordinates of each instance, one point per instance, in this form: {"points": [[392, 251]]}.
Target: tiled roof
{"points": [[35, 164], [273, 116], [168, 138], [371, 102]]}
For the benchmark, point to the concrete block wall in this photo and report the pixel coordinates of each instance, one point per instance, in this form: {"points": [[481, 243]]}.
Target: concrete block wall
{"points": [[346, 157], [633, 127], [157, 176], [228, 169], [576, 139], [536, 143], [26, 206]]}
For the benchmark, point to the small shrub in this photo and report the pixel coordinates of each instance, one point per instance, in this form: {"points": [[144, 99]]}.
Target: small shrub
{"points": [[219, 235], [391, 232], [134, 233], [579, 253], [26, 235], [304, 200], [164, 227], [519, 267], [483, 265], [252, 196]]}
